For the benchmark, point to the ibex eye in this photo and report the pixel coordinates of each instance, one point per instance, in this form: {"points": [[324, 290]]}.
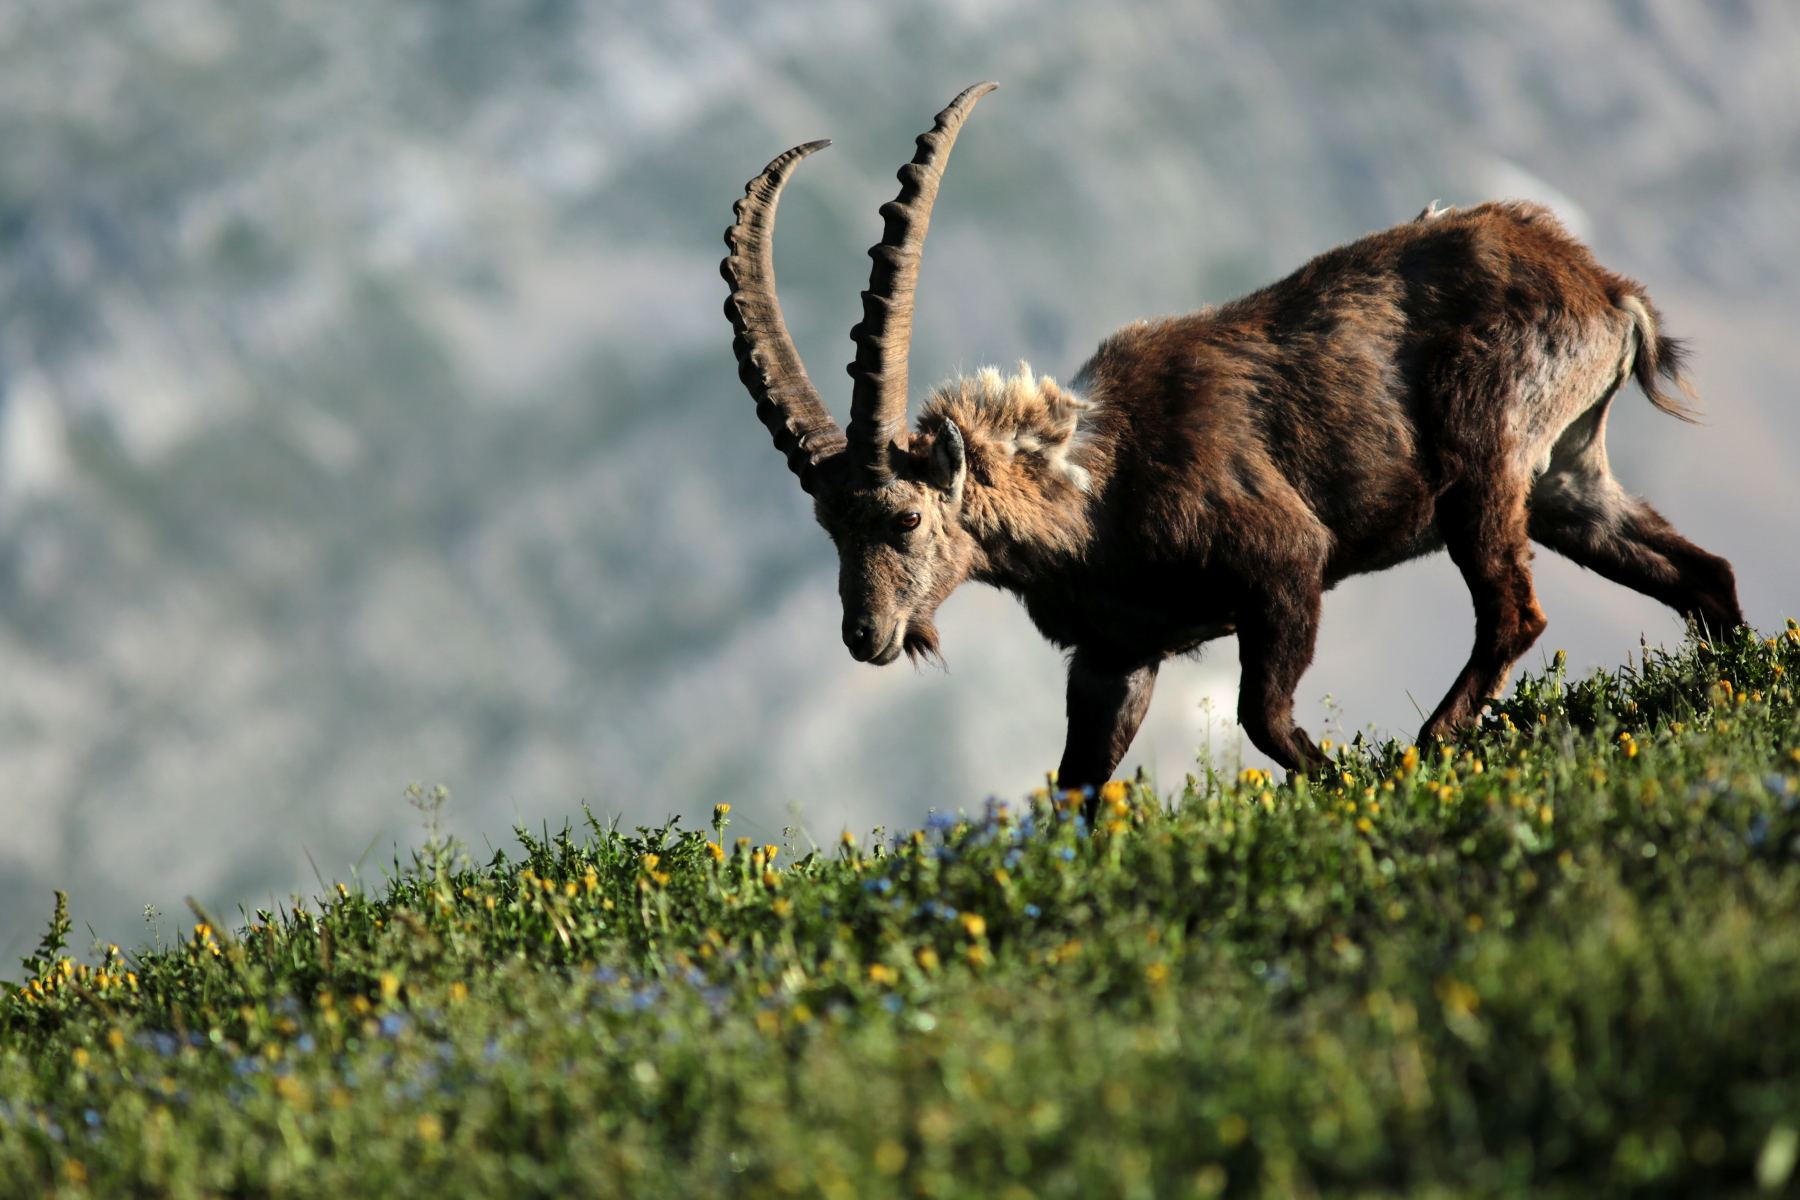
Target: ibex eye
{"points": [[909, 520]]}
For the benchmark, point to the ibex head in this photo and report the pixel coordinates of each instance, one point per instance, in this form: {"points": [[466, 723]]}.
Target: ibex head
{"points": [[890, 501], [901, 550]]}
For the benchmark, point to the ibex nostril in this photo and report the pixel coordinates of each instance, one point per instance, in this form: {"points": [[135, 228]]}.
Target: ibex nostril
{"points": [[860, 638]]}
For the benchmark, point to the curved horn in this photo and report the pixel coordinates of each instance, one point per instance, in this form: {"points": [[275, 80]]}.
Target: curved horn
{"points": [[770, 367], [878, 395]]}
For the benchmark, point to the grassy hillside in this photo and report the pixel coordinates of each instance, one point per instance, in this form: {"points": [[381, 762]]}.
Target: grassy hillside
{"points": [[1561, 958]]}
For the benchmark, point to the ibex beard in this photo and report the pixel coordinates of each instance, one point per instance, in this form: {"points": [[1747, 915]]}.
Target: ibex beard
{"points": [[1443, 384]]}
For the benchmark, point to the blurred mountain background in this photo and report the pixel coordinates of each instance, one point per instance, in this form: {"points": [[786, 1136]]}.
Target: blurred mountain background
{"points": [[367, 415]]}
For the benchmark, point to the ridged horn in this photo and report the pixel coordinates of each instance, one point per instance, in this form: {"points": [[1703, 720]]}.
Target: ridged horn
{"points": [[878, 393], [786, 401]]}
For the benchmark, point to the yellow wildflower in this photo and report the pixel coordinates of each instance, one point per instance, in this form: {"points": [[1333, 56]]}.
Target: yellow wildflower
{"points": [[1457, 996], [890, 1157]]}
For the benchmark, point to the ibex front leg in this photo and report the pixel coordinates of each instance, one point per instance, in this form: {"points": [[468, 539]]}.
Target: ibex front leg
{"points": [[1107, 702], [1277, 630]]}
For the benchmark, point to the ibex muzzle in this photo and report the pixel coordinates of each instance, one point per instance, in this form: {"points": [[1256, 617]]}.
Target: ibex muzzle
{"points": [[1440, 385]]}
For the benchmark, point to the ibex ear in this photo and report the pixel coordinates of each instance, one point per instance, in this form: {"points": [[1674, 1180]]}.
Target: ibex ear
{"points": [[949, 461]]}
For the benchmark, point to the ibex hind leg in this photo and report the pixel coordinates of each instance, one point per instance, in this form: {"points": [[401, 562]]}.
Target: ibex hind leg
{"points": [[1482, 518], [1591, 520]]}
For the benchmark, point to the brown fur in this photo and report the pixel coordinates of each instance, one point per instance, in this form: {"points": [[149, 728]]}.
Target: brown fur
{"points": [[1441, 384]]}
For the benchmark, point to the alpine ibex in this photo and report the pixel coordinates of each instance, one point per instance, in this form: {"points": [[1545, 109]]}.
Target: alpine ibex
{"points": [[1442, 384]]}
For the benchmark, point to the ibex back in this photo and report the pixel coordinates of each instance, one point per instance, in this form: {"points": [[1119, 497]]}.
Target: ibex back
{"points": [[1440, 385]]}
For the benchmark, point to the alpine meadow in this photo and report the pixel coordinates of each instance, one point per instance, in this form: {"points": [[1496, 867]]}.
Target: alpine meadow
{"points": [[1560, 956]]}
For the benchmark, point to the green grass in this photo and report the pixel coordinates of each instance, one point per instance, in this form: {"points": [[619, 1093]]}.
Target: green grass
{"points": [[1559, 958]]}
